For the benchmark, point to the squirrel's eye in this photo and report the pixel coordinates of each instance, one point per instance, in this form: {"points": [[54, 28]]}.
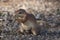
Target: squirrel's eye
{"points": [[20, 12]]}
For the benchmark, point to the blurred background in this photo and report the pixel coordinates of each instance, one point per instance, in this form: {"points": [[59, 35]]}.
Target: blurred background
{"points": [[46, 12]]}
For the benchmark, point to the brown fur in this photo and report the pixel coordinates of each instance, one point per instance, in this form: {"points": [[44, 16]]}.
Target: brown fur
{"points": [[27, 21]]}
